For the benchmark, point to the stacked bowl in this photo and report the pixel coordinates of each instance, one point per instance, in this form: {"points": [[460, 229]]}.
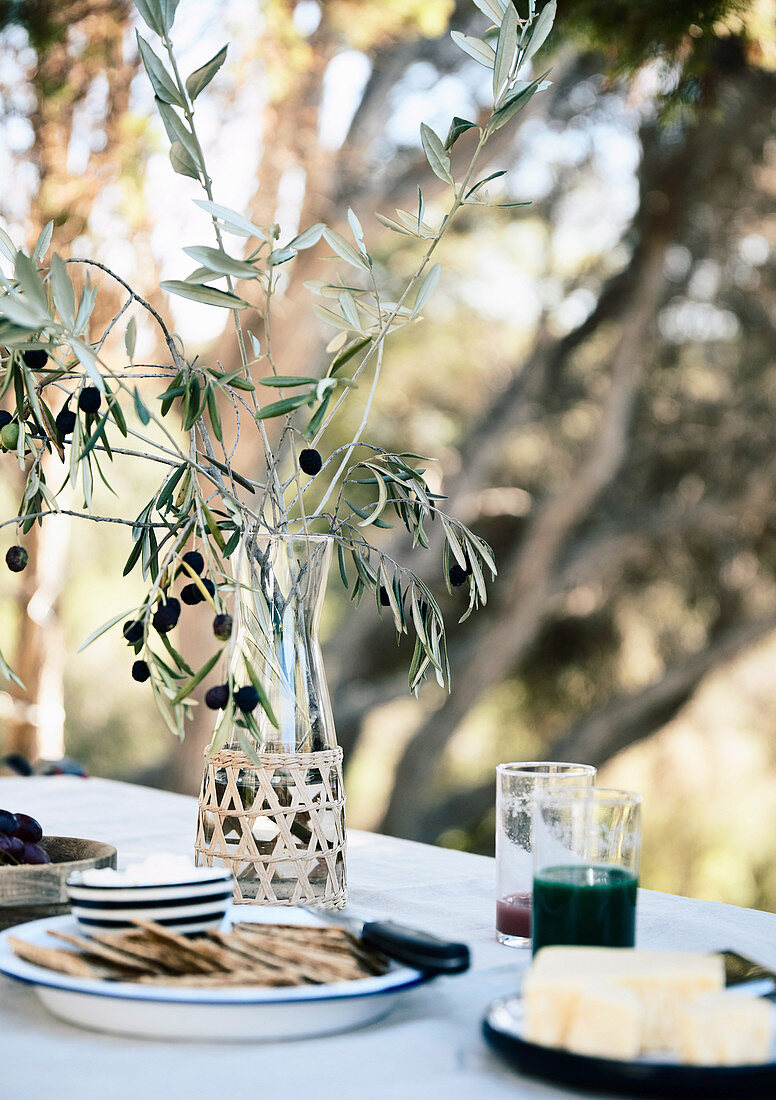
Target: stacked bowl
{"points": [[196, 903]]}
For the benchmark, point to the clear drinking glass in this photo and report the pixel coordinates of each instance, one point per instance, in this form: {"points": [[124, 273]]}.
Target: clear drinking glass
{"points": [[587, 843], [516, 786]]}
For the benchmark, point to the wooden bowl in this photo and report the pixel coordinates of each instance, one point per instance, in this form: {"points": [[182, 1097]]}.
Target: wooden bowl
{"points": [[29, 892]]}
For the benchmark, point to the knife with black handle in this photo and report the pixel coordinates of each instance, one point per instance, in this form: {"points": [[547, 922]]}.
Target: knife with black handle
{"points": [[406, 945]]}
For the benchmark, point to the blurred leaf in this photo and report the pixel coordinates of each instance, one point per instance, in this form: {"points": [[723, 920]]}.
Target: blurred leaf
{"points": [[280, 408], [282, 380], [151, 12], [492, 8], [196, 679], [143, 414], [9, 673], [201, 77], [343, 249], [208, 295], [168, 8], [457, 127], [427, 288], [169, 486], [540, 30], [214, 414], [22, 312], [476, 48], [85, 307], [218, 260], [103, 630], [26, 274], [390, 224], [213, 527], [161, 81], [266, 706], [347, 354], [506, 51], [7, 247], [62, 290], [43, 242], [331, 318], [356, 230], [176, 129], [350, 310], [341, 562], [232, 221], [182, 162], [130, 337], [88, 361], [317, 418], [281, 255], [482, 182], [308, 237], [514, 103], [438, 159]]}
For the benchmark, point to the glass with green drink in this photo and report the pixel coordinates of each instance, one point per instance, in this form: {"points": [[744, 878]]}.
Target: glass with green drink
{"points": [[587, 843]]}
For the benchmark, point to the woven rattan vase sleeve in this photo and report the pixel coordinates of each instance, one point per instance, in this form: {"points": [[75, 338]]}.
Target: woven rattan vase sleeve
{"points": [[270, 833]]}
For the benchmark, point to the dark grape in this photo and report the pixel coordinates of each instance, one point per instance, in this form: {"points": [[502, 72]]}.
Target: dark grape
{"points": [[33, 853], [6, 855], [17, 847], [8, 822], [28, 829]]}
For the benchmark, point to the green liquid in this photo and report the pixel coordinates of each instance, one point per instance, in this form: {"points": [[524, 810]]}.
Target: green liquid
{"points": [[586, 905]]}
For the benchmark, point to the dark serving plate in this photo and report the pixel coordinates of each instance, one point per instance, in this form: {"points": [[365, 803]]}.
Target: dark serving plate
{"points": [[502, 1027]]}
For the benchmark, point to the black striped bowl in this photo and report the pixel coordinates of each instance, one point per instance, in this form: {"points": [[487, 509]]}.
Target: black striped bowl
{"points": [[186, 907]]}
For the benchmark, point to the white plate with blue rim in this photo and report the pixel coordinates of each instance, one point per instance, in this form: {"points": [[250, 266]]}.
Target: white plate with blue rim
{"points": [[250, 1013]]}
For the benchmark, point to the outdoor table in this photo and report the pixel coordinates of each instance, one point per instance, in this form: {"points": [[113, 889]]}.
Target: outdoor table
{"points": [[429, 1048]]}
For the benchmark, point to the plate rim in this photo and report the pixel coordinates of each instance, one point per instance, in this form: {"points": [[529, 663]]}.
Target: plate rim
{"points": [[37, 976], [625, 1068]]}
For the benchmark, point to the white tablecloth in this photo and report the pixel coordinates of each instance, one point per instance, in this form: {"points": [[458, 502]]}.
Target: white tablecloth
{"points": [[430, 1048]]}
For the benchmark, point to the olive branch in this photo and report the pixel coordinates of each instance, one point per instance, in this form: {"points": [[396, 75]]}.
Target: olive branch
{"points": [[204, 507]]}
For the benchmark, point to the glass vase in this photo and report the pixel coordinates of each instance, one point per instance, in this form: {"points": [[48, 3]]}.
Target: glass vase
{"points": [[272, 805]]}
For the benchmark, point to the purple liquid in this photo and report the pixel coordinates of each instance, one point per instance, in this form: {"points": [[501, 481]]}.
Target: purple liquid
{"points": [[513, 915]]}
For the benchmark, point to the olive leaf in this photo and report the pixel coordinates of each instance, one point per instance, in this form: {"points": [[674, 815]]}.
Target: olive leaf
{"points": [[492, 8], [436, 155], [196, 679], [177, 130], [475, 47], [182, 161], [541, 30], [427, 288], [151, 12], [346, 251], [506, 53], [208, 295], [161, 81], [130, 338], [201, 77], [231, 220], [458, 126], [218, 260]]}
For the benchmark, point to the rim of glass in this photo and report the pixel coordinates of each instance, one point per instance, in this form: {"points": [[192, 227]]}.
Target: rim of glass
{"points": [[604, 796], [542, 767]]}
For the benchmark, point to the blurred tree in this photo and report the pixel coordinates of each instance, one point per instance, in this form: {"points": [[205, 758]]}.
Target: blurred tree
{"points": [[80, 82], [623, 469]]}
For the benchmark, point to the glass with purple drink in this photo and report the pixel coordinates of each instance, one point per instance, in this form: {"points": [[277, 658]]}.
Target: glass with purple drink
{"points": [[516, 787]]}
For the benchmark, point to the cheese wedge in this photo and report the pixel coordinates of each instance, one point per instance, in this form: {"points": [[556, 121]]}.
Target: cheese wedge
{"points": [[660, 980], [729, 1029]]}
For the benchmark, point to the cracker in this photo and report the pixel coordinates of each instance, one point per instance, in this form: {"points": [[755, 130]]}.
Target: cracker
{"points": [[55, 958], [107, 954]]}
